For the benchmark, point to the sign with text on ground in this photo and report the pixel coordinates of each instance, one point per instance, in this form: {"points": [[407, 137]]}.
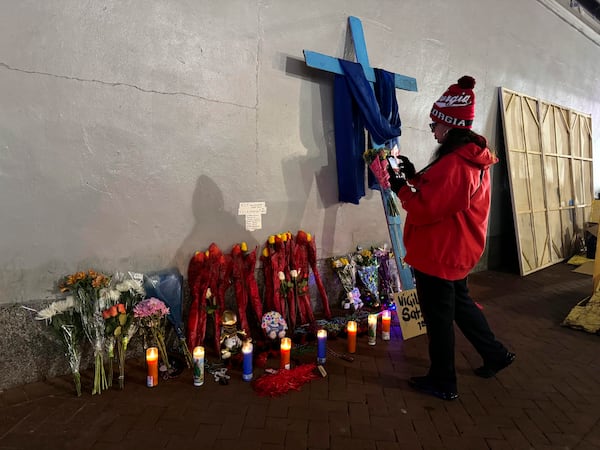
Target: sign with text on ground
{"points": [[409, 313]]}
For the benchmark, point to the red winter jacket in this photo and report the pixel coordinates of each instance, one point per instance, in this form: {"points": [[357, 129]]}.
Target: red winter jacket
{"points": [[447, 216]]}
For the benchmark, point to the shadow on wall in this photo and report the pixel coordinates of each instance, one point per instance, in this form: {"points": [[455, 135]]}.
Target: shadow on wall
{"points": [[502, 253], [211, 224], [316, 125]]}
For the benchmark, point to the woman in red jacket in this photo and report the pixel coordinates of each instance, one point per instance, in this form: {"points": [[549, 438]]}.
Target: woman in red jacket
{"points": [[447, 205]]}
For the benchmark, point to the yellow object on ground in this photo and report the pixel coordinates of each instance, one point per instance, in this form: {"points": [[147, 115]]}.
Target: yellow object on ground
{"points": [[578, 260], [586, 314]]}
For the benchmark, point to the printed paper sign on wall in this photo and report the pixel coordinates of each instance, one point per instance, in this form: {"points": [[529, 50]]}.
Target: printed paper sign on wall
{"points": [[409, 314]]}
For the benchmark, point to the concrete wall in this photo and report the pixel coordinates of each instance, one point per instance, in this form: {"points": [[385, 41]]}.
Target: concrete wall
{"points": [[131, 131]]}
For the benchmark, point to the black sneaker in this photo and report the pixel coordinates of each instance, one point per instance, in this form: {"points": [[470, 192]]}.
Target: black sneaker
{"points": [[427, 386], [490, 370]]}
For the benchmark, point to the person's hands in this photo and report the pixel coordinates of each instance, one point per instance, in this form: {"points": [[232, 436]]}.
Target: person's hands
{"points": [[396, 179], [406, 167]]}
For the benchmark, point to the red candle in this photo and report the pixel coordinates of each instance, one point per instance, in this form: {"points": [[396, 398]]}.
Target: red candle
{"points": [[351, 329], [152, 363], [285, 350]]}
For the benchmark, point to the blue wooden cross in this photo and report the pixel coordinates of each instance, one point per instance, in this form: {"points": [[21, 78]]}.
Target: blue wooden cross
{"points": [[330, 64]]}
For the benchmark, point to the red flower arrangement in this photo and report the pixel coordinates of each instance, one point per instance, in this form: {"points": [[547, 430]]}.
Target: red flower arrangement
{"points": [[244, 283], [209, 276]]}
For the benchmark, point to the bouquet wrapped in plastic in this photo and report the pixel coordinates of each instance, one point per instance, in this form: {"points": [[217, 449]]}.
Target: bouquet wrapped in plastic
{"points": [[110, 313], [388, 284], [367, 268], [377, 161], [345, 268], [86, 287], [66, 323], [131, 293]]}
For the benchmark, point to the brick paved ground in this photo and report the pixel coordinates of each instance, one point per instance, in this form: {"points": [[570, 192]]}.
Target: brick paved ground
{"points": [[548, 399]]}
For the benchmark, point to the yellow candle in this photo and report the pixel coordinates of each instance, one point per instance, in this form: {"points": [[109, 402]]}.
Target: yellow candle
{"points": [[152, 363], [351, 329], [285, 350], [386, 320]]}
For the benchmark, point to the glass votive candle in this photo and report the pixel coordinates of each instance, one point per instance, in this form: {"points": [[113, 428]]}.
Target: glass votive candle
{"points": [[152, 364], [321, 346], [284, 352], [386, 320], [247, 349], [351, 330], [198, 357], [372, 328]]}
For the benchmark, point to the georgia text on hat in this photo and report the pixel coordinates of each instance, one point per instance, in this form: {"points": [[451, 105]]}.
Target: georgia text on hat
{"points": [[456, 107]]}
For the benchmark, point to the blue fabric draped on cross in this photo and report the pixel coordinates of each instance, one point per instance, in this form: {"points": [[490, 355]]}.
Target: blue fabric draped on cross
{"points": [[357, 106]]}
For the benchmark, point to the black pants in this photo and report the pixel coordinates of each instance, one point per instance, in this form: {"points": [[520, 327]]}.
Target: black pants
{"points": [[444, 302]]}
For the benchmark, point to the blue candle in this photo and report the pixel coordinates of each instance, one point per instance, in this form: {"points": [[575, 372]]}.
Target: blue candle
{"points": [[247, 349], [321, 346]]}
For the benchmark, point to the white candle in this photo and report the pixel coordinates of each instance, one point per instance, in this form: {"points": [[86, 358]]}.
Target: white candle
{"points": [[198, 355], [372, 323]]}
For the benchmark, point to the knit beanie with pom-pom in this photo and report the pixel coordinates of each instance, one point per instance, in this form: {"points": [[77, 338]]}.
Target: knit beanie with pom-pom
{"points": [[456, 107]]}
